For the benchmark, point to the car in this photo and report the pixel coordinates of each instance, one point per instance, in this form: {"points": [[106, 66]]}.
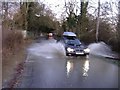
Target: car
{"points": [[72, 45]]}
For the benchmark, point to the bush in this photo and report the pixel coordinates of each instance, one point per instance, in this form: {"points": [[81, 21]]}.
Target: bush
{"points": [[12, 42]]}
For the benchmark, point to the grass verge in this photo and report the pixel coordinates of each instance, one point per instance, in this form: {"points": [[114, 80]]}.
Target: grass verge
{"points": [[13, 53]]}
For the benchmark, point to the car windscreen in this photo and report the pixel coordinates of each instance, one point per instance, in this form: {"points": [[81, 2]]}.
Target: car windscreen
{"points": [[73, 42], [69, 37]]}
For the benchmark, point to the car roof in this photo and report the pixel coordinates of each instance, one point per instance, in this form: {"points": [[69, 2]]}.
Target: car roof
{"points": [[69, 34]]}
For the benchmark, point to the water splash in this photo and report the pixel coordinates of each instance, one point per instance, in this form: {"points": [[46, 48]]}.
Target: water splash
{"points": [[47, 49], [100, 49]]}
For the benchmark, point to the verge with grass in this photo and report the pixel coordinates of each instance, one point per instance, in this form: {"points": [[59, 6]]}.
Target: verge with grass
{"points": [[13, 55]]}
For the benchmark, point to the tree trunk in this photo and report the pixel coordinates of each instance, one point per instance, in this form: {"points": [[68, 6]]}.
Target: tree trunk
{"points": [[83, 22], [5, 15], [98, 21], [118, 27]]}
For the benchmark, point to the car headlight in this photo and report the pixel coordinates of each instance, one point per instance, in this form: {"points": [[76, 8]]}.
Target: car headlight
{"points": [[70, 49], [87, 50]]}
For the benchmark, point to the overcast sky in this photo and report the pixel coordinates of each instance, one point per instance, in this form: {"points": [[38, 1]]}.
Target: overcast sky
{"points": [[57, 5]]}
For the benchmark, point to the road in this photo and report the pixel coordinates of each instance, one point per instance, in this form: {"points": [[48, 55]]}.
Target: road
{"points": [[46, 68]]}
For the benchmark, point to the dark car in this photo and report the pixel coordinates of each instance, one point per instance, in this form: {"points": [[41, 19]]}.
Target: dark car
{"points": [[72, 45]]}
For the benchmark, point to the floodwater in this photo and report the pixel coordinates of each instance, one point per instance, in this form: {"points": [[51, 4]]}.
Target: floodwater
{"points": [[48, 67]]}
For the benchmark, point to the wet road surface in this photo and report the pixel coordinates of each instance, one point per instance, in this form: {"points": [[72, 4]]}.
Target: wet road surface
{"points": [[58, 71]]}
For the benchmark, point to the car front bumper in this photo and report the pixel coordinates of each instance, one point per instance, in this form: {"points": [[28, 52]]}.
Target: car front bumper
{"points": [[75, 53]]}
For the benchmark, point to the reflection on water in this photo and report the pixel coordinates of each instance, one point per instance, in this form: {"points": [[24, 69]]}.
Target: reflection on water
{"points": [[83, 65], [90, 72], [86, 68], [69, 67]]}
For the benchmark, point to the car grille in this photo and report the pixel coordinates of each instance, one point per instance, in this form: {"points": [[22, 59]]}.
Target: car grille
{"points": [[78, 49]]}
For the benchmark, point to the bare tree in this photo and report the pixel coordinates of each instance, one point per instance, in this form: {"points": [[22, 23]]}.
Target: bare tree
{"points": [[5, 15], [118, 26], [24, 10], [98, 21], [71, 7]]}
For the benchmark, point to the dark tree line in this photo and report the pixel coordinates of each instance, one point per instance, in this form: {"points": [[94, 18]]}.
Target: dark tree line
{"points": [[118, 28], [37, 18], [100, 25]]}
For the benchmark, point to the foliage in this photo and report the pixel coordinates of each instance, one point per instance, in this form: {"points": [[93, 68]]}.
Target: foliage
{"points": [[74, 22], [83, 18], [84, 24], [12, 40], [71, 21], [118, 28], [105, 32], [41, 23], [35, 18]]}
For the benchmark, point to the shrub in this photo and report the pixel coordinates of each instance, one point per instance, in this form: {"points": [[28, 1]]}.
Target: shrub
{"points": [[12, 42]]}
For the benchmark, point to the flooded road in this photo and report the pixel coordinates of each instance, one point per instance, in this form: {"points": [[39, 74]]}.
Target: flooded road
{"points": [[50, 68]]}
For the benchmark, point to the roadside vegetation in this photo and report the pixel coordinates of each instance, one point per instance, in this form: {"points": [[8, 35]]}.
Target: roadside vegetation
{"points": [[101, 24], [11, 48]]}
